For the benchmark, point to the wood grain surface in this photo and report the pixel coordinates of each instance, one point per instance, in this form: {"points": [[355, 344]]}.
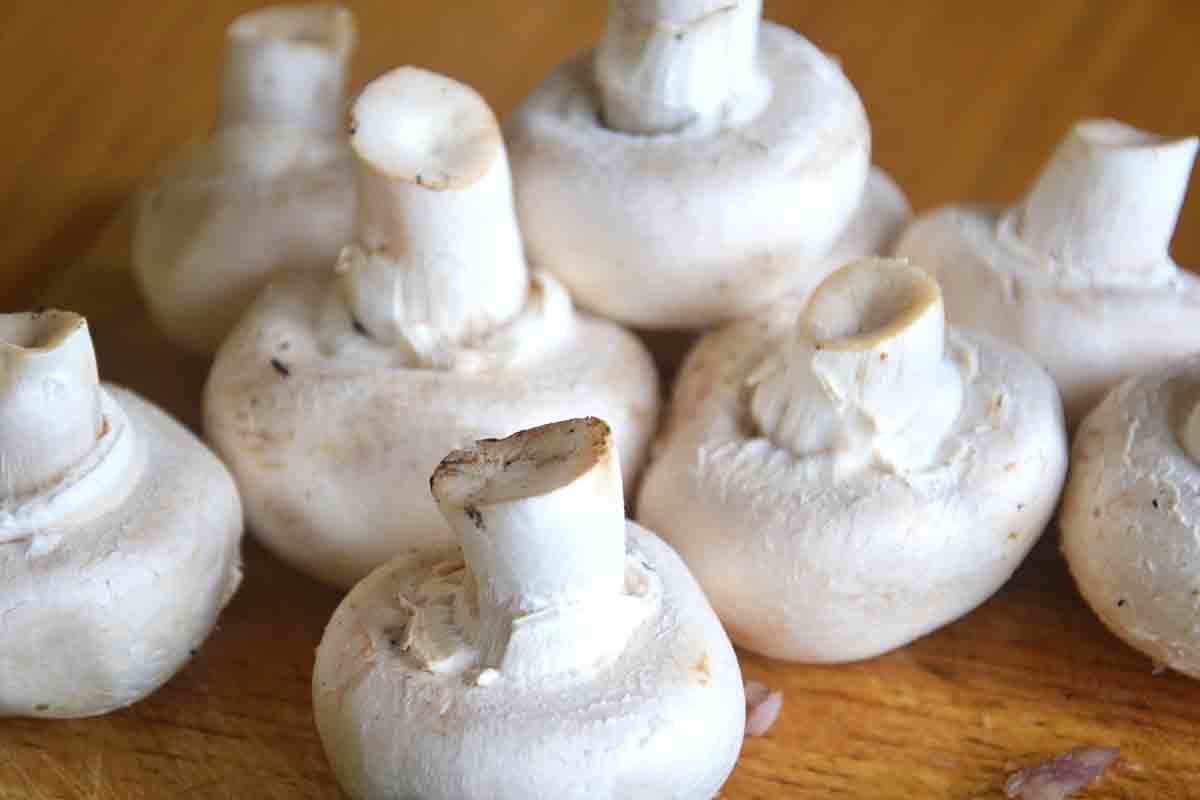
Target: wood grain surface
{"points": [[965, 100]]}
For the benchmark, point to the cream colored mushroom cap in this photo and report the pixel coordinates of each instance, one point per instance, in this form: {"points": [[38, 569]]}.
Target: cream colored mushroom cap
{"points": [[665, 720], [827, 556], [1130, 513], [114, 564], [677, 230], [1077, 274], [332, 437]]}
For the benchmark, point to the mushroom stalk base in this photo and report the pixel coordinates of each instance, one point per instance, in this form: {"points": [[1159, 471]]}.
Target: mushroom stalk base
{"points": [[286, 66], [865, 371], [664, 66], [541, 519], [50, 416], [439, 253], [1108, 200]]}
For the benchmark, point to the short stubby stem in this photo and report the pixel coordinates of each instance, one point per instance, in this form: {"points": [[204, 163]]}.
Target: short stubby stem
{"points": [[866, 364], [1108, 199], [669, 65], [541, 518], [50, 414], [285, 65], [439, 252]]}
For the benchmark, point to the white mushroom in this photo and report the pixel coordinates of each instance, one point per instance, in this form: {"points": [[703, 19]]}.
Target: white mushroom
{"points": [[696, 166], [1129, 515], [845, 482], [562, 652], [119, 531], [335, 398], [1074, 273], [271, 191]]}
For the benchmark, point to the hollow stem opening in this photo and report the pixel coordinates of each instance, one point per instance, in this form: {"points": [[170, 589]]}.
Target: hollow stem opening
{"points": [[867, 360], [49, 398], [438, 244], [285, 65], [540, 515], [1109, 198]]}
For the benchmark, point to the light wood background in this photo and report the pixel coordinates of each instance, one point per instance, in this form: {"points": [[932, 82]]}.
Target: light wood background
{"points": [[965, 100]]}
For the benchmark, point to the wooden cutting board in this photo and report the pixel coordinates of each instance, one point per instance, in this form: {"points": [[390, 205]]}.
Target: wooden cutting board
{"points": [[1030, 674], [965, 100]]}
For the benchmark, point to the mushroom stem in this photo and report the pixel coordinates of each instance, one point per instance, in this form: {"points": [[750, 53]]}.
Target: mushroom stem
{"points": [[665, 65], [286, 65], [438, 242], [868, 355], [1108, 199], [541, 518], [1191, 434], [49, 399]]}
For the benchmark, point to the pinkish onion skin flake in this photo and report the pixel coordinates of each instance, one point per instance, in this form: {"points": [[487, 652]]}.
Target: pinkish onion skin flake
{"points": [[762, 708], [1062, 776], [755, 693]]}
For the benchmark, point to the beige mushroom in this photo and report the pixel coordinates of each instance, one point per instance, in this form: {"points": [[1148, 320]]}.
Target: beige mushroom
{"points": [[560, 652], [1130, 513], [696, 166], [271, 191], [119, 531], [334, 398], [1077, 274], [846, 481]]}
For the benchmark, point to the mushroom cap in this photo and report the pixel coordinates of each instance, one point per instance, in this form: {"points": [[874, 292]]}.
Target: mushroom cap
{"points": [[333, 459], [1089, 337], [803, 567], [226, 215], [101, 611], [664, 719], [1129, 515], [675, 230]]}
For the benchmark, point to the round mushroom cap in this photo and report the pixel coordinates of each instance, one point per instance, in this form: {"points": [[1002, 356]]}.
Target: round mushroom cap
{"points": [[100, 611], [664, 719], [1130, 511], [1089, 337], [228, 215], [806, 563], [332, 436], [679, 230], [271, 191]]}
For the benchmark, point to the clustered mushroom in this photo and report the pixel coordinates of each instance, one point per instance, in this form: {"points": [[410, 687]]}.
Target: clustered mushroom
{"points": [[847, 481], [696, 166], [1130, 512], [843, 473], [561, 651], [335, 397], [271, 191], [1077, 274], [119, 532]]}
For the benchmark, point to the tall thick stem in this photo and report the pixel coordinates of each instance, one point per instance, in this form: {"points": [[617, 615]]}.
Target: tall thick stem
{"points": [[1108, 199], [666, 65], [286, 65], [541, 518], [439, 248], [49, 399], [867, 358]]}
